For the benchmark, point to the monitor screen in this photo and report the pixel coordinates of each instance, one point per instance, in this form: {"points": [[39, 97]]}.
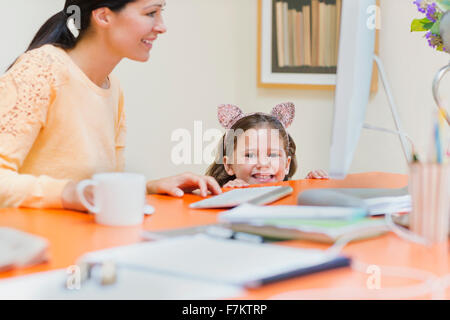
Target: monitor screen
{"points": [[354, 74]]}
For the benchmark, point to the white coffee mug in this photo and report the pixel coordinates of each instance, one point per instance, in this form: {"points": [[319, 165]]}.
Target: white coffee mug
{"points": [[119, 198]]}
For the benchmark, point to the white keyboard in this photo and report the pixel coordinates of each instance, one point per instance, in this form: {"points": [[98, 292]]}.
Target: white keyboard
{"points": [[233, 198]]}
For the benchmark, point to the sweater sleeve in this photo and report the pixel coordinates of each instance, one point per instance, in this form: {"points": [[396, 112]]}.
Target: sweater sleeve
{"points": [[121, 131], [26, 93]]}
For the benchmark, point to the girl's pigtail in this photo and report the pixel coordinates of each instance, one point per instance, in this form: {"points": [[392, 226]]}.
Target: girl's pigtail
{"points": [[292, 149], [217, 168]]}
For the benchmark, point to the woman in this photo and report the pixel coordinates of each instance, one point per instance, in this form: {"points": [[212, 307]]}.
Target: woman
{"points": [[61, 110]]}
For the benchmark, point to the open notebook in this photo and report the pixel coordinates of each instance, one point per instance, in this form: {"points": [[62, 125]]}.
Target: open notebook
{"points": [[231, 262]]}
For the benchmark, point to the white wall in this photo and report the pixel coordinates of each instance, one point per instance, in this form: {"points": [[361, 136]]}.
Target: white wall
{"points": [[208, 57]]}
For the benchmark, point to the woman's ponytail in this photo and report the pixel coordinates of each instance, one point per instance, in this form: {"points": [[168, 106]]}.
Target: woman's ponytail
{"points": [[54, 31]]}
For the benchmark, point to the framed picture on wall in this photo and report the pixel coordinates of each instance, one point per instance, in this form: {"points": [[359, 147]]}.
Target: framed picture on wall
{"points": [[298, 43]]}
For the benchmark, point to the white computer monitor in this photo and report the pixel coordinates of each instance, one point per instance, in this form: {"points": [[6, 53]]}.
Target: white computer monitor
{"points": [[354, 74]]}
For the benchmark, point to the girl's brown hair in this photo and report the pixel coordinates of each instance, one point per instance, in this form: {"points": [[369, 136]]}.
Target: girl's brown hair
{"points": [[228, 141]]}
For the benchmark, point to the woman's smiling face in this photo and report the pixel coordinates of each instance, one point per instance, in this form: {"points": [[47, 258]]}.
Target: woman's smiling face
{"points": [[135, 28]]}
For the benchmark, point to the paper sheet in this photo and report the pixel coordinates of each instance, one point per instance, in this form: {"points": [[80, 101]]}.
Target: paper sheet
{"points": [[212, 259], [130, 285]]}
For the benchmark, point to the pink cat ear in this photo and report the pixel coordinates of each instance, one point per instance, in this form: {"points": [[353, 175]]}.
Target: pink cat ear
{"points": [[285, 112], [228, 114]]}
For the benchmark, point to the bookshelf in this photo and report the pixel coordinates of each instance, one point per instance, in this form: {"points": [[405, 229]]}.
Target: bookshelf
{"points": [[298, 44]]}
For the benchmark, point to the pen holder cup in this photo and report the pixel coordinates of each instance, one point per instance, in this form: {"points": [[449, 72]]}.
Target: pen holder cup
{"points": [[429, 186]]}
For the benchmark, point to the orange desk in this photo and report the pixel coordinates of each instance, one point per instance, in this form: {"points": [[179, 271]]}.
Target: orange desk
{"points": [[72, 234]]}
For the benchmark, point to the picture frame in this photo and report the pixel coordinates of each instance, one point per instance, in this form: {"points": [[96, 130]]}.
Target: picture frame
{"points": [[294, 78]]}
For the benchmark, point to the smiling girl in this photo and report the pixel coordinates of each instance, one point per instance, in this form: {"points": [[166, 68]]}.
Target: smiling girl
{"points": [[62, 112], [256, 148]]}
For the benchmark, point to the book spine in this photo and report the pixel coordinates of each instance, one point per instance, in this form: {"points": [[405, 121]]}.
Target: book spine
{"points": [[315, 32], [328, 50], [296, 37], [293, 38], [307, 31], [280, 34], [286, 34], [338, 27], [322, 34], [333, 54], [301, 38]]}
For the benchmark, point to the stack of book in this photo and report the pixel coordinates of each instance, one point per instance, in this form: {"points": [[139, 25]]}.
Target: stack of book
{"points": [[324, 224], [306, 33]]}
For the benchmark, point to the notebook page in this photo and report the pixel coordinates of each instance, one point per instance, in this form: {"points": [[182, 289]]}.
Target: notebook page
{"points": [[207, 258]]}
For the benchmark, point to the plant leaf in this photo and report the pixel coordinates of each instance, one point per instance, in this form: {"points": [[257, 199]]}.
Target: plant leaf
{"points": [[444, 4], [436, 28], [424, 24]]}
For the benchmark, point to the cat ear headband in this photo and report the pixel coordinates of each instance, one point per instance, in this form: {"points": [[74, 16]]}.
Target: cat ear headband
{"points": [[229, 114]]}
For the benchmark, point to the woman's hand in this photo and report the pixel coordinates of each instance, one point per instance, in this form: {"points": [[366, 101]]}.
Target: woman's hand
{"points": [[236, 183], [187, 182], [318, 174], [70, 198]]}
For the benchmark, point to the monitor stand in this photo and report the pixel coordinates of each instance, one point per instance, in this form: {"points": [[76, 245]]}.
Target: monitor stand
{"points": [[403, 137]]}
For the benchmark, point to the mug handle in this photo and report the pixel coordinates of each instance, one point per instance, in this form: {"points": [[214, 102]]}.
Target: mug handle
{"points": [[80, 191]]}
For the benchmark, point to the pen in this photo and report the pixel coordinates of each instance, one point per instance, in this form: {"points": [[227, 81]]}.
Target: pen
{"points": [[437, 138]]}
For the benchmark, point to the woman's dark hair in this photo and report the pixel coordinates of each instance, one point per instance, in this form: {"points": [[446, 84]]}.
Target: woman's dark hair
{"points": [[55, 30], [229, 141]]}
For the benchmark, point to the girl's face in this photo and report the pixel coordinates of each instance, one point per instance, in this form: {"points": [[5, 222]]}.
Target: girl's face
{"points": [[259, 157], [135, 28]]}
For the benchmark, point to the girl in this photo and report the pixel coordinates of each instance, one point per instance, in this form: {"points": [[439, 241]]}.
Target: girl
{"points": [[62, 112], [256, 148]]}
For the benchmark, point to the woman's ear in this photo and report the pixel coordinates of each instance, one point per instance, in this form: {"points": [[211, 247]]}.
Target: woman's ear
{"points": [[227, 165], [102, 17]]}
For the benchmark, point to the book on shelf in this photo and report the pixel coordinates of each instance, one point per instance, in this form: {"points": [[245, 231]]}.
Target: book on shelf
{"points": [[307, 31], [332, 31], [322, 34], [292, 33], [299, 36], [287, 62], [315, 35], [280, 33], [307, 34], [338, 28], [328, 59]]}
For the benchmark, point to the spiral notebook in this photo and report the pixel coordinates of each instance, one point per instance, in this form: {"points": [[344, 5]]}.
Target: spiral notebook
{"points": [[221, 261]]}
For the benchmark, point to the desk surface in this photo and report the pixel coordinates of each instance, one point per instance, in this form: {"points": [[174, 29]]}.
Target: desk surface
{"points": [[72, 234]]}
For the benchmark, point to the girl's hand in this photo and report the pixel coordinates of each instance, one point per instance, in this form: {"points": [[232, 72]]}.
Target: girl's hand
{"points": [[186, 182], [318, 174], [237, 183], [70, 198]]}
